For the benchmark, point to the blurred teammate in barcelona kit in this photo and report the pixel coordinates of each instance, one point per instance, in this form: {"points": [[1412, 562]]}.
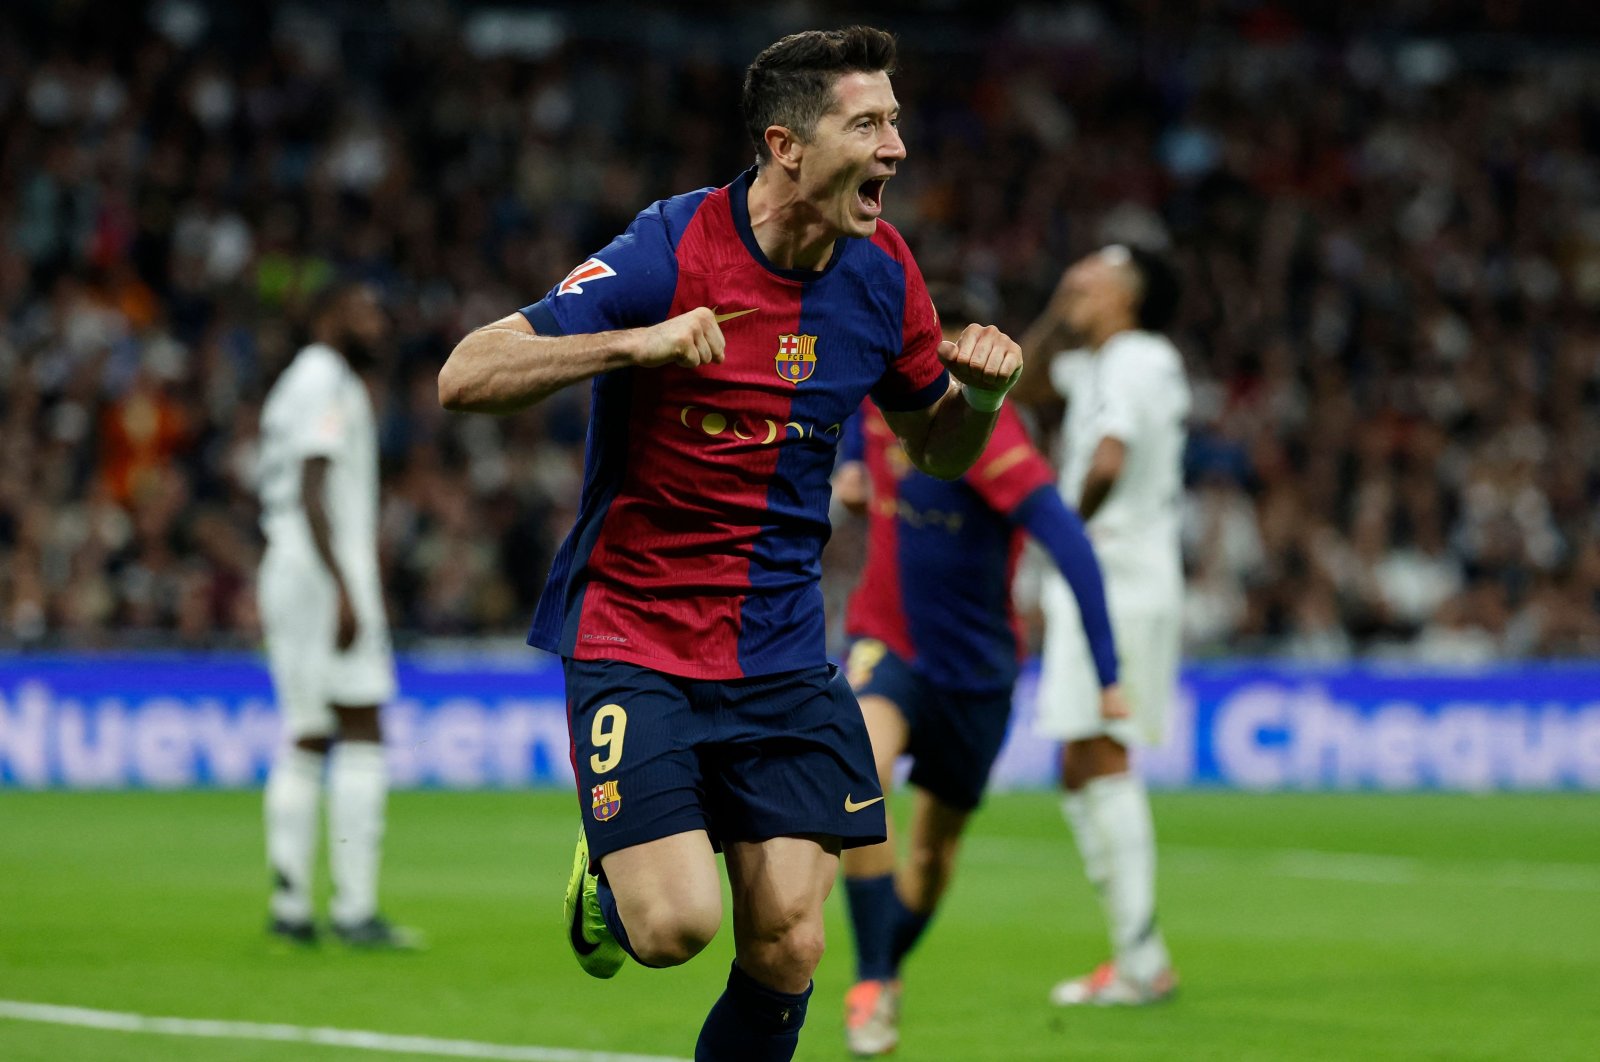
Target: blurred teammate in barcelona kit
{"points": [[933, 660], [1124, 435], [727, 335]]}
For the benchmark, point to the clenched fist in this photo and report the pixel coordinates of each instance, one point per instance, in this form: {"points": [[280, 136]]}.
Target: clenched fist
{"points": [[984, 358], [689, 339]]}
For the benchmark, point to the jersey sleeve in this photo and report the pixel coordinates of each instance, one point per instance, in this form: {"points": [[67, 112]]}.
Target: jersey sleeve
{"points": [[853, 441], [1123, 376], [1061, 532], [628, 284], [1010, 468], [916, 378], [319, 425]]}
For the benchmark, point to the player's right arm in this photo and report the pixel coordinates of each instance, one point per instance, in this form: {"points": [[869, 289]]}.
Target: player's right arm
{"points": [[611, 312], [1045, 337], [506, 366], [314, 500]]}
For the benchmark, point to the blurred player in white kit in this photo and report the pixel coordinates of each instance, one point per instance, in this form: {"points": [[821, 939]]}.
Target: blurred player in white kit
{"points": [[1123, 438], [322, 614]]}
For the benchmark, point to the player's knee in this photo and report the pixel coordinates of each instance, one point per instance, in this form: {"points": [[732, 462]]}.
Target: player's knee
{"points": [[803, 947], [798, 951], [1074, 773], [358, 723], [1085, 760], [790, 938], [672, 936]]}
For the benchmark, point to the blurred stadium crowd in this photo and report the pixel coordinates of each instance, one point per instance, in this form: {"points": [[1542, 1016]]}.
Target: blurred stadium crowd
{"points": [[1390, 239]]}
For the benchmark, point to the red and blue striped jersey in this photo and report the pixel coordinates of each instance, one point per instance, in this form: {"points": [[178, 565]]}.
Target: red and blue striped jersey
{"points": [[941, 555], [697, 547]]}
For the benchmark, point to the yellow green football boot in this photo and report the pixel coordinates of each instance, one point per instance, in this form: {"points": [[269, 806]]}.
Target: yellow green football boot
{"points": [[596, 949]]}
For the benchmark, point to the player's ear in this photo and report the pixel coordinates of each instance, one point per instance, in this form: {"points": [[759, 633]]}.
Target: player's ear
{"points": [[784, 146]]}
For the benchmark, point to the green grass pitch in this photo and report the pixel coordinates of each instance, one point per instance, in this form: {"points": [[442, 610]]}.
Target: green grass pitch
{"points": [[1304, 927]]}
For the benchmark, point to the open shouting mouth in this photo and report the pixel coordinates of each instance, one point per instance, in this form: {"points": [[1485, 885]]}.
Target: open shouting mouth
{"points": [[870, 196]]}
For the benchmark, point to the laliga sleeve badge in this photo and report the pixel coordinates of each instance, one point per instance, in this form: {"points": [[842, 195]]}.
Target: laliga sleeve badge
{"points": [[607, 801], [593, 269]]}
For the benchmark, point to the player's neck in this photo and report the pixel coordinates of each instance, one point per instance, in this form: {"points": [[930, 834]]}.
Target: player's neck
{"points": [[787, 228], [1101, 336]]}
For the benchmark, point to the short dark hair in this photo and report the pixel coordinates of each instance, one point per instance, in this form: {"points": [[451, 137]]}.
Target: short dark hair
{"points": [[1159, 289], [791, 81], [331, 296]]}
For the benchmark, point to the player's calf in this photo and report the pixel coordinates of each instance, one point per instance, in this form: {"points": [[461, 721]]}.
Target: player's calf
{"points": [[929, 868]]}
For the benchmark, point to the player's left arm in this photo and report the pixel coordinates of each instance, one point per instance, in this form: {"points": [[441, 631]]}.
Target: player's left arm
{"points": [[1126, 376], [1105, 466], [945, 439]]}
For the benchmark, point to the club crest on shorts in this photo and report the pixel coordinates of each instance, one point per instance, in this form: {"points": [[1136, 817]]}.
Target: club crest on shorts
{"points": [[607, 801], [797, 357]]}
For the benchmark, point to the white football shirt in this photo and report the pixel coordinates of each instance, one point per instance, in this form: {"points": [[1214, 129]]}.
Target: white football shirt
{"points": [[1132, 389], [320, 408]]}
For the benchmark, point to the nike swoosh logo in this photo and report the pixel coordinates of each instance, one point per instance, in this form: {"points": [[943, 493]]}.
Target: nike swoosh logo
{"points": [[580, 943], [719, 318], [851, 807]]}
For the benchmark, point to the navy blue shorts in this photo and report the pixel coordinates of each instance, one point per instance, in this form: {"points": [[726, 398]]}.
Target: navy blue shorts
{"points": [[954, 735], [743, 759]]}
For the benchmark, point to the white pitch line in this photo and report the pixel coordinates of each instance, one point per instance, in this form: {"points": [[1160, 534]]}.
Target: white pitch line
{"points": [[1345, 866], [361, 1039]]}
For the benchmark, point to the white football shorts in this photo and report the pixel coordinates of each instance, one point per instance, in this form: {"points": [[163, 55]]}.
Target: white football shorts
{"points": [[299, 620], [1149, 643]]}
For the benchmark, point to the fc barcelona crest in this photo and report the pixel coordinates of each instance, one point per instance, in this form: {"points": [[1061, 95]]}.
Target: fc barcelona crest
{"points": [[797, 357], [607, 801]]}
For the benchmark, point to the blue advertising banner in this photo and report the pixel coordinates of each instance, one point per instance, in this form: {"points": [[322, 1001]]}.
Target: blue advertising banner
{"points": [[461, 722], [479, 720]]}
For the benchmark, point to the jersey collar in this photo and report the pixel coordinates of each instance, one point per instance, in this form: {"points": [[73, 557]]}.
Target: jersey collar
{"points": [[739, 201]]}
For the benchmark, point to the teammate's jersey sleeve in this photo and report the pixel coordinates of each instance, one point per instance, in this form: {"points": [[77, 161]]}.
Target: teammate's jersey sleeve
{"points": [[628, 284], [1062, 534], [916, 378], [853, 440], [319, 425], [1010, 468]]}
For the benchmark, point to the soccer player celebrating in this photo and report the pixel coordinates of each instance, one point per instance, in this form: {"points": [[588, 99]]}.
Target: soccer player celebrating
{"points": [[729, 333], [934, 662], [322, 616], [1128, 400]]}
